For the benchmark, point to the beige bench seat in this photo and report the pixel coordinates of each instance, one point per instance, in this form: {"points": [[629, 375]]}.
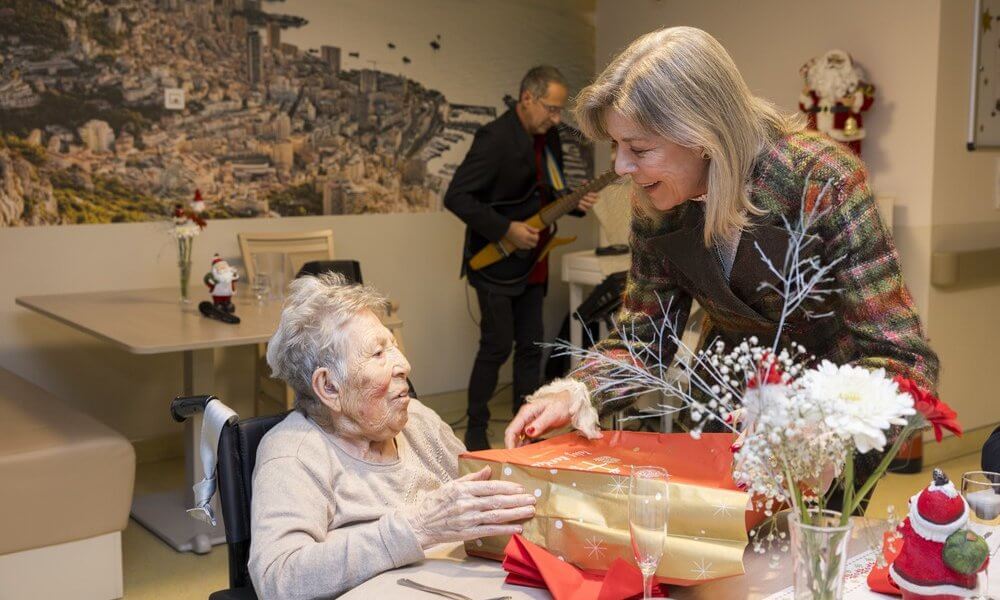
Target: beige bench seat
{"points": [[64, 477]]}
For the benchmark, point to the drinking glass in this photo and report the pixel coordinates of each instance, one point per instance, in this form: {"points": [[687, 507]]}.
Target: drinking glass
{"points": [[261, 287], [272, 264], [648, 509], [981, 490]]}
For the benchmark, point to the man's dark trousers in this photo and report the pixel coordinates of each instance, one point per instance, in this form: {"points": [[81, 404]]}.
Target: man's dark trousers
{"points": [[506, 321]]}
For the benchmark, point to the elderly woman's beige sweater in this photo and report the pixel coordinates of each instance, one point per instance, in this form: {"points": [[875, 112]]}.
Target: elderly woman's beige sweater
{"points": [[323, 521]]}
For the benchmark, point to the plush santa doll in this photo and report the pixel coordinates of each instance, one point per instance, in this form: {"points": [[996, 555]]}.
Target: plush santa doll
{"points": [[836, 93], [221, 282], [940, 559]]}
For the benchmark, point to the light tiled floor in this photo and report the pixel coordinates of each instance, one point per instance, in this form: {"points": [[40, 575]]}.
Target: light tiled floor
{"points": [[154, 571]]}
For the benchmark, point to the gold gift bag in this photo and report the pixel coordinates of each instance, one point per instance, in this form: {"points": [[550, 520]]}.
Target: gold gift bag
{"points": [[582, 510]]}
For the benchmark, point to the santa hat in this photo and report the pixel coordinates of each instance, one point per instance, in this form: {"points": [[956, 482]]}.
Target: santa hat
{"points": [[216, 259], [938, 510]]}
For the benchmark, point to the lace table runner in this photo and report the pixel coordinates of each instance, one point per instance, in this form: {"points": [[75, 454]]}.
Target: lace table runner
{"points": [[855, 581]]}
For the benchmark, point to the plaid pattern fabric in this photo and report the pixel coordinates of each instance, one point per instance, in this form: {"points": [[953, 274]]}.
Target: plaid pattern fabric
{"points": [[874, 323]]}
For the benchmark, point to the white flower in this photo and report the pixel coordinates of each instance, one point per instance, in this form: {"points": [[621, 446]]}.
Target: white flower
{"points": [[857, 402], [767, 398], [187, 229]]}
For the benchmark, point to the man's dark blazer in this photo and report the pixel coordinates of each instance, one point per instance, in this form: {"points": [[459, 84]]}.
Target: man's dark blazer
{"points": [[499, 167]]}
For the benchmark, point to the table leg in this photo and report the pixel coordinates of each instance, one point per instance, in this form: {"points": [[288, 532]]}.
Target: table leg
{"points": [[164, 513]]}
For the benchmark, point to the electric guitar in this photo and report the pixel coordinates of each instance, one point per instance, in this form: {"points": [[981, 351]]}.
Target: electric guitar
{"points": [[502, 262]]}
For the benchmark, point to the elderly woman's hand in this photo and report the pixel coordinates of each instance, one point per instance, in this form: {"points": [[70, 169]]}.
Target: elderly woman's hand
{"points": [[470, 507]]}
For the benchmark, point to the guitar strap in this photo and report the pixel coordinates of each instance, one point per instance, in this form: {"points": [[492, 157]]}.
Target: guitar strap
{"points": [[557, 183]]}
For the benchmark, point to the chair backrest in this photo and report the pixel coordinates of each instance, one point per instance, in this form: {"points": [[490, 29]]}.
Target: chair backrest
{"points": [[351, 269], [295, 248], [237, 456]]}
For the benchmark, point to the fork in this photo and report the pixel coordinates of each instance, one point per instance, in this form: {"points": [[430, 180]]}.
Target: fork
{"points": [[445, 593]]}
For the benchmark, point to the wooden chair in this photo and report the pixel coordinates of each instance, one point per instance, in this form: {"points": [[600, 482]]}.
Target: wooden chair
{"points": [[295, 248]]}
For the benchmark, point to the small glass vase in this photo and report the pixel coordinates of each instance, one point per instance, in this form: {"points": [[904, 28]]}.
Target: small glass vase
{"points": [[819, 551], [184, 265]]}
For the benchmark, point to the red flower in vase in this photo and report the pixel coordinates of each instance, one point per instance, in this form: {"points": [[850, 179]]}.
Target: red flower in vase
{"points": [[768, 372], [937, 413]]}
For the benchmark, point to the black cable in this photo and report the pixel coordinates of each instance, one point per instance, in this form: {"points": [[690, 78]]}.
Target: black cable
{"points": [[468, 306]]}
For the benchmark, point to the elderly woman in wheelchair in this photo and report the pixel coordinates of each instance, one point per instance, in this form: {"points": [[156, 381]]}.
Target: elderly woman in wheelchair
{"points": [[361, 477]]}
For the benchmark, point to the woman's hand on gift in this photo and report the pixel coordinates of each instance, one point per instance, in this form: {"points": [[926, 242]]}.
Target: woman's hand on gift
{"points": [[470, 507], [544, 413]]}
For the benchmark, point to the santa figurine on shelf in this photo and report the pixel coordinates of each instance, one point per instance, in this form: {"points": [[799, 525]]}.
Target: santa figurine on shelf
{"points": [[198, 203], [836, 93], [940, 558], [221, 282]]}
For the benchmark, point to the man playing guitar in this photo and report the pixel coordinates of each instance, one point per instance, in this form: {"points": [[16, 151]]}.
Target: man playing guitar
{"points": [[513, 168]]}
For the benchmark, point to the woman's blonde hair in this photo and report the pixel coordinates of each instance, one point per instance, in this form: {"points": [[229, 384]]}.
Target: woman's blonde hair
{"points": [[681, 84]]}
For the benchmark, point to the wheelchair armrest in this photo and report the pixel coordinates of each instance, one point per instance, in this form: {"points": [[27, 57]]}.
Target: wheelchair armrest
{"points": [[184, 407]]}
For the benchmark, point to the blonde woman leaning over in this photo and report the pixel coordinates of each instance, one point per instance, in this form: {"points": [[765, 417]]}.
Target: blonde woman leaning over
{"points": [[714, 170]]}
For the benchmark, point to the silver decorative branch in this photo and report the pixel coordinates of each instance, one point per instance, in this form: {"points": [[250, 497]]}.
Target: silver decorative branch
{"points": [[706, 386], [801, 277]]}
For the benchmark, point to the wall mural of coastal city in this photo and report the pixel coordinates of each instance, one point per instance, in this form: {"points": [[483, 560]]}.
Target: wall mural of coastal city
{"points": [[117, 110]]}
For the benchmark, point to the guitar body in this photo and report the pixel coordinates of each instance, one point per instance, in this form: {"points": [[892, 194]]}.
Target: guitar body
{"points": [[502, 263]]}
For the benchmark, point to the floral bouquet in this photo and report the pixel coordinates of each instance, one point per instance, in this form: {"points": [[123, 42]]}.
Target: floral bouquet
{"points": [[798, 425], [187, 223]]}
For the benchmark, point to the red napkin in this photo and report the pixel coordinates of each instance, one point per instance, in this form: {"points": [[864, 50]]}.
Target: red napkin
{"points": [[531, 565], [878, 579]]}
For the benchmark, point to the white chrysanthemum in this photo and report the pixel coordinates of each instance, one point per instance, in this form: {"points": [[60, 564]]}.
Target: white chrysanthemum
{"points": [[857, 402]]}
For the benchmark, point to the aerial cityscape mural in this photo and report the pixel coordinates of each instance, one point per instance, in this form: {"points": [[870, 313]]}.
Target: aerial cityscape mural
{"points": [[115, 111]]}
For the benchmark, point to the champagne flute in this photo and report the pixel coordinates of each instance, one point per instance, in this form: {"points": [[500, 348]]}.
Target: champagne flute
{"points": [[981, 490], [648, 509], [261, 287]]}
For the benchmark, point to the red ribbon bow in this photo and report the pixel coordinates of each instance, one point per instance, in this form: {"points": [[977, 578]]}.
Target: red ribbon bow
{"points": [[937, 413]]}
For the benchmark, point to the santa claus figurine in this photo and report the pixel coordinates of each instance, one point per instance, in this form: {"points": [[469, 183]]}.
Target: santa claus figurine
{"points": [[221, 282], [198, 203], [836, 93], [940, 559]]}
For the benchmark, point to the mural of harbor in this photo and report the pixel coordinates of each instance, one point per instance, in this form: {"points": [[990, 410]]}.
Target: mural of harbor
{"points": [[115, 111]]}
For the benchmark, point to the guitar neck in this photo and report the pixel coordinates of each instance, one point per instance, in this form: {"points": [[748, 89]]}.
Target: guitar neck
{"points": [[567, 203]]}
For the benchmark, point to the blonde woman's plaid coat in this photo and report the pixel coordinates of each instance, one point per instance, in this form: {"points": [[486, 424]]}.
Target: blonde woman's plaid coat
{"points": [[874, 323]]}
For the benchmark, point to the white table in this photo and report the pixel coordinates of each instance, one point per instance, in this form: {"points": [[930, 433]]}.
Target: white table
{"points": [[153, 322], [447, 567], [585, 269]]}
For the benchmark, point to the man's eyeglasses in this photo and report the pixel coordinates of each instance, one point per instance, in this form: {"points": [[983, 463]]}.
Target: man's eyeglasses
{"points": [[552, 108]]}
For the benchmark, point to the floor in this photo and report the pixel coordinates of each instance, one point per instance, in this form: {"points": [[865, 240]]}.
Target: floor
{"points": [[155, 571]]}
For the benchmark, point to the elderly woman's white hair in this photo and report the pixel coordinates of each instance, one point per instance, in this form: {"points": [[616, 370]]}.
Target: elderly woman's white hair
{"points": [[681, 84], [310, 334]]}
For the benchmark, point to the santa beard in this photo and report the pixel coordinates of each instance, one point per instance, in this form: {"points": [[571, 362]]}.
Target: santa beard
{"points": [[832, 83], [224, 275]]}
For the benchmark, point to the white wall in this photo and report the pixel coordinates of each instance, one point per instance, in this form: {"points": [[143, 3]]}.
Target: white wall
{"points": [[895, 40], [412, 257], [964, 323]]}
